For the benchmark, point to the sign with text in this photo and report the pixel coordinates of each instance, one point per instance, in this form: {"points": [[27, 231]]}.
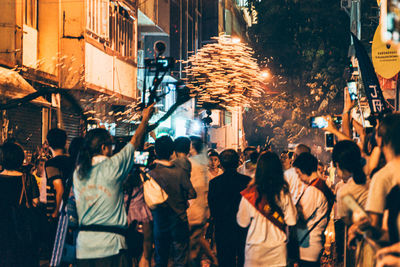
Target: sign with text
{"points": [[384, 56], [373, 91]]}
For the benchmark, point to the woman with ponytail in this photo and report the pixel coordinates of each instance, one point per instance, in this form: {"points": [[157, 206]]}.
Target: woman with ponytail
{"points": [[98, 190], [346, 157]]}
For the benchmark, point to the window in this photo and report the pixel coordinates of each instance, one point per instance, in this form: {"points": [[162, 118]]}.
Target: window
{"points": [[227, 118], [114, 23], [98, 17], [122, 30], [30, 16]]}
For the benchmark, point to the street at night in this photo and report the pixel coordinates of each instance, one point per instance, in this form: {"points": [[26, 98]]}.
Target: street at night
{"points": [[199, 133]]}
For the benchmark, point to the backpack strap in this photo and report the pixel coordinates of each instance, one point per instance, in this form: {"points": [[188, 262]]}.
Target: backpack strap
{"points": [[103, 228], [23, 191]]}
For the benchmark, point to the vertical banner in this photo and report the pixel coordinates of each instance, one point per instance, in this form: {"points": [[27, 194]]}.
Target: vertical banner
{"points": [[373, 90]]}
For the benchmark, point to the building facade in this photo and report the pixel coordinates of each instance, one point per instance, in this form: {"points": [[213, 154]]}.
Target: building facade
{"points": [[88, 47]]}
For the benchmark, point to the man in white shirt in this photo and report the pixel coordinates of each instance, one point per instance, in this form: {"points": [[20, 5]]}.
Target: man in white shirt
{"points": [[198, 212], [296, 186], [385, 179], [248, 168], [314, 207]]}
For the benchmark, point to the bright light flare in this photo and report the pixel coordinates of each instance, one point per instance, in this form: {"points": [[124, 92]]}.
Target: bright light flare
{"points": [[236, 40], [265, 74]]}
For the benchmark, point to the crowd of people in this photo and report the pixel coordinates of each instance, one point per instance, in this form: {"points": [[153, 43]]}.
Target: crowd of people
{"points": [[256, 208]]}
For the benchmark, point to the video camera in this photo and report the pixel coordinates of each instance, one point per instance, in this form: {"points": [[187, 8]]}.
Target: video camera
{"points": [[158, 67]]}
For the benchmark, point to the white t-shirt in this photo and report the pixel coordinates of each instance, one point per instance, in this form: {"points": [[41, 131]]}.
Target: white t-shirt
{"points": [[382, 182], [359, 192], [296, 186], [314, 206], [198, 211], [251, 172], [263, 236]]}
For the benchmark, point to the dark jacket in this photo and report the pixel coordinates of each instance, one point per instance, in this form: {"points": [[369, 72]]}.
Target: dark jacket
{"points": [[176, 183], [224, 197]]}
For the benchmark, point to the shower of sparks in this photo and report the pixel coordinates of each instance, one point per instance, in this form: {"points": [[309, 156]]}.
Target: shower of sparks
{"points": [[224, 73]]}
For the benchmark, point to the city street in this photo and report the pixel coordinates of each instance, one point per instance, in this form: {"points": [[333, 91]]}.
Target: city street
{"points": [[199, 133]]}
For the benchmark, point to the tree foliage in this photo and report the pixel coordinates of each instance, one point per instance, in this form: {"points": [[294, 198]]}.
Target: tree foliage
{"points": [[305, 45]]}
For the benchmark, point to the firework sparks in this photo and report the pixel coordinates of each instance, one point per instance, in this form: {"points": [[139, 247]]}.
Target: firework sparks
{"points": [[224, 73]]}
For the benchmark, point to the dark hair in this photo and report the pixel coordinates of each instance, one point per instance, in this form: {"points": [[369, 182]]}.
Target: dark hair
{"points": [[182, 144], [197, 143], [254, 157], [57, 138], [164, 147], [229, 159], [389, 131], [369, 143], [13, 156], [248, 150], [269, 179], [348, 156], [213, 153], [302, 148], [92, 145], [306, 162], [74, 148]]}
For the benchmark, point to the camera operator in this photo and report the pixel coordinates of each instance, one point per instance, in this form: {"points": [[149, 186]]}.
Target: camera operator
{"points": [[98, 189]]}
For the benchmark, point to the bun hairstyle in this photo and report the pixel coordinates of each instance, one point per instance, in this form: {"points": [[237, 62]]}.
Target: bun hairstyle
{"points": [[92, 145], [348, 156]]}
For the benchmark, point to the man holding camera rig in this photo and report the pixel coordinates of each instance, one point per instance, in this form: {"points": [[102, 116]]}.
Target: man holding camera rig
{"points": [[98, 189]]}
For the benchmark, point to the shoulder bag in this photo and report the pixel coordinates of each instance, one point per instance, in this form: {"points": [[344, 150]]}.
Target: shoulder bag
{"points": [[154, 195]]}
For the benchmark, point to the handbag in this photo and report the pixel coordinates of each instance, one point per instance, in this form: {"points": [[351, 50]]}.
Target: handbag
{"points": [[154, 195]]}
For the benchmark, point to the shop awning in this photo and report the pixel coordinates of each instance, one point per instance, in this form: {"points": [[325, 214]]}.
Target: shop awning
{"points": [[14, 86]]}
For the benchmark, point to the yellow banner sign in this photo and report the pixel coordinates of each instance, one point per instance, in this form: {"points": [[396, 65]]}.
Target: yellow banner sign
{"points": [[384, 57]]}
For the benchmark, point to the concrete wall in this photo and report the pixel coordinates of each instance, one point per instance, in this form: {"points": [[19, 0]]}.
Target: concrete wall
{"points": [[48, 35], [72, 44], [229, 135], [158, 12], [98, 67], [30, 47], [125, 76], [8, 31], [109, 72]]}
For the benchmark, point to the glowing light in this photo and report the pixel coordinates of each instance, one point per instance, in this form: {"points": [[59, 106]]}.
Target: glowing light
{"points": [[196, 127], [236, 40], [180, 126], [265, 74]]}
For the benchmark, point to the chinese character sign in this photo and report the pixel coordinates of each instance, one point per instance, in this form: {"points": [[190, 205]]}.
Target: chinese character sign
{"points": [[373, 90]]}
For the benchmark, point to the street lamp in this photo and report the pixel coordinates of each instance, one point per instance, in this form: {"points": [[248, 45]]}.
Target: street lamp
{"points": [[265, 74]]}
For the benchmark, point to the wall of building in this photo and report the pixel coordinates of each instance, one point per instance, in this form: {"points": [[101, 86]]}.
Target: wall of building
{"points": [[72, 44], [10, 32], [30, 46], [48, 36], [157, 14]]}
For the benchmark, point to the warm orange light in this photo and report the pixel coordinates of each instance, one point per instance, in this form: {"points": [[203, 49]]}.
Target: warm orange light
{"points": [[236, 40], [265, 74]]}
